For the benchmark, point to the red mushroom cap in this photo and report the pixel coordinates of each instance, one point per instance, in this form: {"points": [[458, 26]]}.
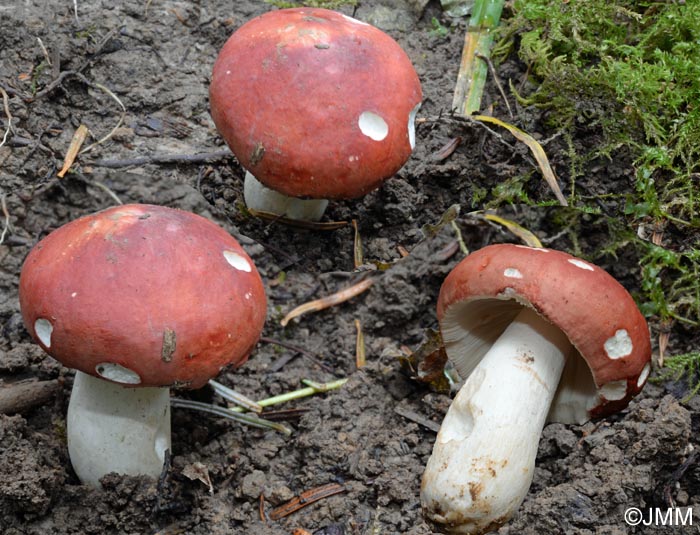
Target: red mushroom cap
{"points": [[480, 297], [315, 103], [164, 293]]}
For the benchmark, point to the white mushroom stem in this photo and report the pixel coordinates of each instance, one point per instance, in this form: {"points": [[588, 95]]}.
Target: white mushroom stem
{"points": [[112, 428], [259, 197], [484, 455]]}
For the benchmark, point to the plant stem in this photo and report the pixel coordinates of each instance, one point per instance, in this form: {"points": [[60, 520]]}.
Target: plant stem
{"points": [[311, 389], [235, 397], [477, 45], [247, 419]]}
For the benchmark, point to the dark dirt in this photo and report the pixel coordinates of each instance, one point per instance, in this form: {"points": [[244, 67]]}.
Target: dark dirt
{"points": [[156, 58]]}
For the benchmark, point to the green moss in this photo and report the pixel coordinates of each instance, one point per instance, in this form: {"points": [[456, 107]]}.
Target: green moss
{"points": [[685, 365], [630, 70], [625, 76], [438, 29]]}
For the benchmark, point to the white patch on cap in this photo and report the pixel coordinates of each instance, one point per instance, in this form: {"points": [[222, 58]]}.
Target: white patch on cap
{"points": [[508, 293], [237, 261], [644, 375], [43, 330], [619, 346], [353, 158], [512, 273], [355, 21], [117, 373], [614, 390], [373, 126], [580, 264], [412, 126], [74, 294]]}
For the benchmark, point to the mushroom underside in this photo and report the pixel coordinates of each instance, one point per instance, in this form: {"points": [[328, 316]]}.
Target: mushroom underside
{"points": [[469, 330]]}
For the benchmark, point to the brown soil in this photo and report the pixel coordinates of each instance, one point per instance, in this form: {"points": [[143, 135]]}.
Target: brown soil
{"points": [[156, 57]]}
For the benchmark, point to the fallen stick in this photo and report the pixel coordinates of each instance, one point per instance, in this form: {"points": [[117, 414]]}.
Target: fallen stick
{"points": [[163, 158], [306, 498], [17, 398]]}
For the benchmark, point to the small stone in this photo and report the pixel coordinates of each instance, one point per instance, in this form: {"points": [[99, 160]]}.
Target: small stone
{"points": [[253, 485]]}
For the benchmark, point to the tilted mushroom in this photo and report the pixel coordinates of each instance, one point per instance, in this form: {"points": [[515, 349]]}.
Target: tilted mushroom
{"points": [[539, 335], [138, 298], [315, 105]]}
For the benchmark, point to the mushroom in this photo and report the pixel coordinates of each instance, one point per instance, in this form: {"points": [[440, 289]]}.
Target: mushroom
{"points": [[539, 336], [315, 105], [137, 298]]}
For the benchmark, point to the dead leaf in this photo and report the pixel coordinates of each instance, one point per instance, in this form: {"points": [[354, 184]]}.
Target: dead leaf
{"points": [[198, 472], [537, 152], [527, 237], [357, 256], [360, 355], [427, 363], [430, 230], [73, 149]]}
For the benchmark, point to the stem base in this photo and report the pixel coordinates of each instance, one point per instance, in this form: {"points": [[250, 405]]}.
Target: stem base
{"points": [[116, 429]]}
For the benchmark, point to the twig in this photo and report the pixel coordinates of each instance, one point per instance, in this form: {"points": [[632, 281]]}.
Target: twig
{"points": [[54, 84], [281, 362], [7, 226], [44, 51], [417, 418], [282, 343], [306, 498], [119, 122], [497, 81], [163, 158], [19, 397], [6, 105], [284, 414], [328, 301], [104, 188], [675, 478], [447, 150]]}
